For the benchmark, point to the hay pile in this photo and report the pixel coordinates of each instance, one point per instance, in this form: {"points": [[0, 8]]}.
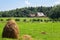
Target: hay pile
{"points": [[27, 37], [10, 30]]}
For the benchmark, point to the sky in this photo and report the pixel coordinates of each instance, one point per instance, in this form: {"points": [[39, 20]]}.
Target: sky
{"points": [[13, 4]]}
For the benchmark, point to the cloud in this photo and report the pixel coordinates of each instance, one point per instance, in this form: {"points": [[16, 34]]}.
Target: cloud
{"points": [[27, 3], [57, 2]]}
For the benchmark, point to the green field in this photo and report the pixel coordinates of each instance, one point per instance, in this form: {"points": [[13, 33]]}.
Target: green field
{"points": [[35, 29]]}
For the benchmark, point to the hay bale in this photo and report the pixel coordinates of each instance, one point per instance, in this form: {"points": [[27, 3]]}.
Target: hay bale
{"points": [[10, 30], [27, 37], [43, 32]]}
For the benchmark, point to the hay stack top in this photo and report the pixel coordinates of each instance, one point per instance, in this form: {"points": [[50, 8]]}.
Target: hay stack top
{"points": [[11, 21]]}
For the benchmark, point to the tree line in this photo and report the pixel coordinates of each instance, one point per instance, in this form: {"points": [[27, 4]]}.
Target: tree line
{"points": [[51, 12], [24, 12]]}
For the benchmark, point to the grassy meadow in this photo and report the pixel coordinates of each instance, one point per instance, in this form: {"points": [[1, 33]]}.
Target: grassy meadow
{"points": [[35, 29]]}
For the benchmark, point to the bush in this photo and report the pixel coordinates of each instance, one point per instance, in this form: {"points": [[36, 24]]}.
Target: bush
{"points": [[1, 19], [17, 19], [41, 20], [33, 20], [24, 20], [46, 20], [7, 19], [38, 20]]}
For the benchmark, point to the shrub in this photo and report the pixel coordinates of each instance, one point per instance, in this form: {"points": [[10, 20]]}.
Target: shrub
{"points": [[38, 20], [17, 19], [41, 20], [33, 20], [45, 20], [24, 20], [7, 19], [1, 19]]}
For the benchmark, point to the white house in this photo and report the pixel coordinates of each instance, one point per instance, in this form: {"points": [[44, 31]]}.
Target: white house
{"points": [[40, 14]]}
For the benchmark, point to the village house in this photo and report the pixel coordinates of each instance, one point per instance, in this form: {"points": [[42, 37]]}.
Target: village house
{"points": [[38, 14]]}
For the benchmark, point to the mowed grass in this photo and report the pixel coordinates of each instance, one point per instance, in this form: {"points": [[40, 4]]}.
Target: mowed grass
{"points": [[35, 29]]}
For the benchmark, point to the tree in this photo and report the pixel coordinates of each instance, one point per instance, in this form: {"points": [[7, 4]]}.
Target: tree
{"points": [[55, 12]]}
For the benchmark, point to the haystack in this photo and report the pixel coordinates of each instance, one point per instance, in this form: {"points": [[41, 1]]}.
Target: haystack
{"points": [[10, 30], [27, 37]]}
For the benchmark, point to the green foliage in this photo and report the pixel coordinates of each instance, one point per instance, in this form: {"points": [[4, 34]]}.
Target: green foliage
{"points": [[51, 12], [17, 19], [24, 12], [55, 12]]}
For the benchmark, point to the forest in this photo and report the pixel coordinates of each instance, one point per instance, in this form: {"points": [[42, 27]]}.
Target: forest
{"points": [[51, 12]]}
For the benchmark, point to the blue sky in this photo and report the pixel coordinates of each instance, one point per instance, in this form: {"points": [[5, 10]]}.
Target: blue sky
{"points": [[13, 4]]}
